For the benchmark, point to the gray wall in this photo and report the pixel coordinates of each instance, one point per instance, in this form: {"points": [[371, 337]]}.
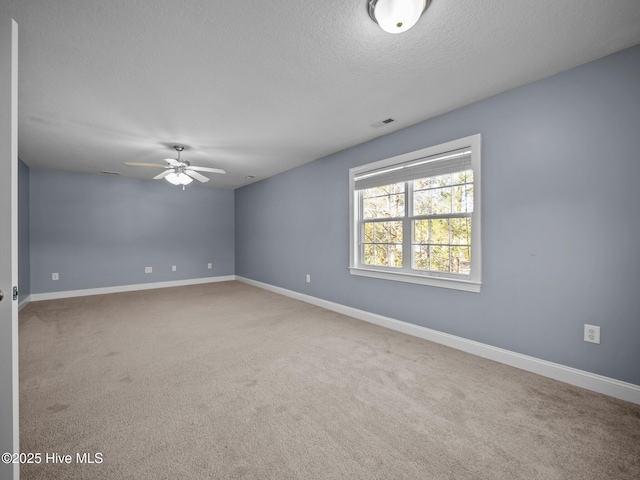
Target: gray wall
{"points": [[99, 231], [24, 256], [561, 229]]}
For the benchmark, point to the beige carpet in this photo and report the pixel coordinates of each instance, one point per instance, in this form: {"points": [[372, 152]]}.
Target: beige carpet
{"points": [[227, 381]]}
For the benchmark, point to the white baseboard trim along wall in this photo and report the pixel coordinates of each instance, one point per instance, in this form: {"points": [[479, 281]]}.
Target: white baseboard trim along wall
{"points": [[580, 378], [36, 297], [24, 302]]}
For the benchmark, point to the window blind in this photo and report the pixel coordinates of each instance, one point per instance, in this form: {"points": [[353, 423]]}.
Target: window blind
{"points": [[441, 164]]}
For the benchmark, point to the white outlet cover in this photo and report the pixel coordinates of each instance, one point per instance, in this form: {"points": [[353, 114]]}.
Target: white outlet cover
{"points": [[55, 276], [209, 265], [308, 278], [148, 270], [591, 333], [173, 268]]}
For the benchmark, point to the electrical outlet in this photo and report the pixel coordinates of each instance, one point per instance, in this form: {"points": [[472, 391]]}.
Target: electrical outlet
{"points": [[55, 276], [148, 270], [209, 266], [591, 333], [173, 268], [308, 278]]}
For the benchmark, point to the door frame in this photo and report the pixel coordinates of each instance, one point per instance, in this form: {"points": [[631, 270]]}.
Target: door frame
{"points": [[9, 386]]}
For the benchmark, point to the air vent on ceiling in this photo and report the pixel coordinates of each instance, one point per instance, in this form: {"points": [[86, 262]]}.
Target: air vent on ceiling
{"points": [[382, 123], [109, 173]]}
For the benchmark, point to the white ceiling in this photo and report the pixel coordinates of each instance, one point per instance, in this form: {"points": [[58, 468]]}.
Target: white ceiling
{"points": [[258, 87]]}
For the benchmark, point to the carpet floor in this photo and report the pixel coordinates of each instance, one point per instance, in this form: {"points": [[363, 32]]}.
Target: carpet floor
{"points": [[228, 381]]}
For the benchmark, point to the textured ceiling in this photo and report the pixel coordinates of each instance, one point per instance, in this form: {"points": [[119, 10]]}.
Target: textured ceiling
{"points": [[258, 87]]}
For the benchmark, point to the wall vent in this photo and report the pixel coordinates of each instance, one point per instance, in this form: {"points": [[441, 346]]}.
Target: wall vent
{"points": [[382, 123], [109, 173]]}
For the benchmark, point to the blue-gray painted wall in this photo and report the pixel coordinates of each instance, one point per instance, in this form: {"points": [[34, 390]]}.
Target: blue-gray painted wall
{"points": [[24, 255], [560, 233], [100, 231]]}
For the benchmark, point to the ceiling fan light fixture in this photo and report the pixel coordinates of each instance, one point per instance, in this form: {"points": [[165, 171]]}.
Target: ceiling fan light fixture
{"points": [[397, 16], [178, 178], [177, 171], [172, 178], [184, 179]]}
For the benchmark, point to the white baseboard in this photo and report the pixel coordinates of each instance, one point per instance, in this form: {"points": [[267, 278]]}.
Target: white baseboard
{"points": [[24, 302], [36, 297], [580, 378]]}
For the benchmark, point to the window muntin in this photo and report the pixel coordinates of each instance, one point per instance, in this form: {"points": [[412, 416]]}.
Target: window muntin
{"points": [[382, 237], [385, 201], [442, 234], [442, 194], [442, 245], [412, 216]]}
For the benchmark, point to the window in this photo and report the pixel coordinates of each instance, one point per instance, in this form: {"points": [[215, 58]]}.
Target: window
{"points": [[416, 217]]}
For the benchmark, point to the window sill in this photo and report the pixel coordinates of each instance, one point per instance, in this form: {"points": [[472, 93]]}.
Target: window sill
{"points": [[442, 282]]}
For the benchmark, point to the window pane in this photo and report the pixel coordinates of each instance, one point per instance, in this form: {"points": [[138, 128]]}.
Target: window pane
{"points": [[446, 180], [439, 258], [457, 197], [395, 256], [381, 232], [387, 232], [461, 260], [396, 206], [369, 254], [459, 178], [383, 190], [442, 180], [368, 232], [383, 202], [421, 231], [368, 208], [440, 201], [382, 244], [442, 245], [439, 231], [376, 207], [468, 193], [432, 182], [395, 232], [421, 257], [422, 184], [462, 198], [433, 196], [383, 255], [421, 203], [461, 231]]}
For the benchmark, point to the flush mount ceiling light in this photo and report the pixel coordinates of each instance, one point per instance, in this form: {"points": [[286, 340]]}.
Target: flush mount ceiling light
{"points": [[397, 16]]}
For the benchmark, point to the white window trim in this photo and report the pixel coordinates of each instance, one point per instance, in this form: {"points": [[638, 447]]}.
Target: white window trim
{"points": [[474, 282]]}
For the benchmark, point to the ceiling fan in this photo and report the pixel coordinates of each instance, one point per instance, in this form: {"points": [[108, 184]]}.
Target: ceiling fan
{"points": [[178, 171]]}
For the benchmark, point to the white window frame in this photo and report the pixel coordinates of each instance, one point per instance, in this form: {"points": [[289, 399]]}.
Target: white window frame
{"points": [[407, 274]]}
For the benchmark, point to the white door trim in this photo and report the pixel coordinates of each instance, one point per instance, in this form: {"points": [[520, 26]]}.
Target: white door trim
{"points": [[9, 386]]}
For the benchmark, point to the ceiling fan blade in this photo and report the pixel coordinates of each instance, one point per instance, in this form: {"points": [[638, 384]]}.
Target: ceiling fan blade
{"points": [[207, 169], [173, 161], [196, 175], [163, 174], [137, 164]]}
